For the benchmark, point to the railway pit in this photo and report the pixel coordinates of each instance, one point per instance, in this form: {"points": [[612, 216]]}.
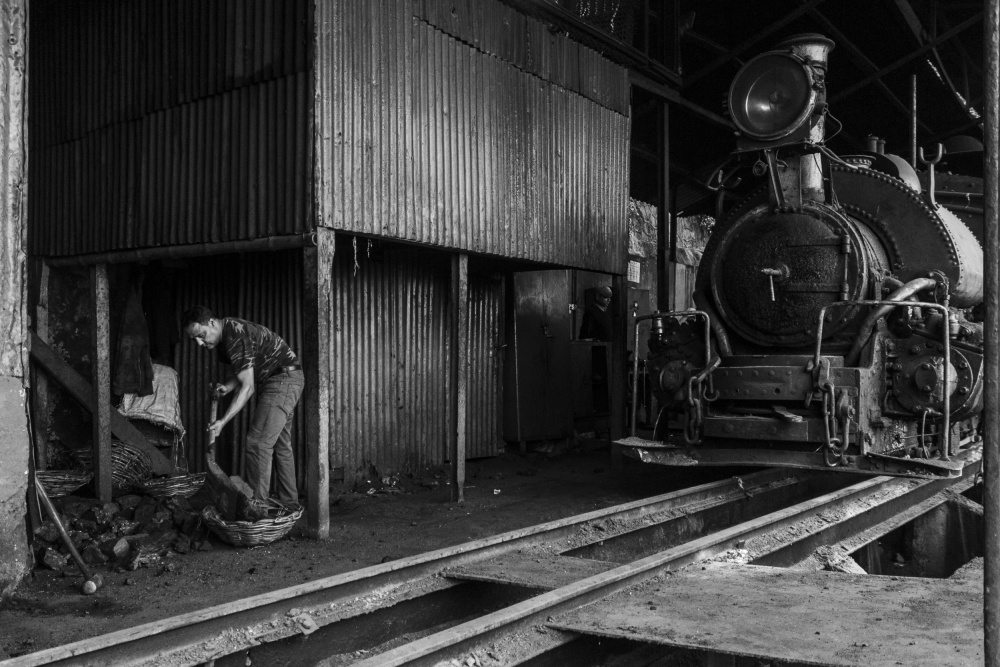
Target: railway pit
{"points": [[511, 598]]}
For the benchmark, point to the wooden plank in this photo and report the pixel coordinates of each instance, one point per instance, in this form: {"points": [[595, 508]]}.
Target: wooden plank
{"points": [[39, 380], [317, 313], [100, 406], [543, 571], [80, 389], [459, 372], [821, 618]]}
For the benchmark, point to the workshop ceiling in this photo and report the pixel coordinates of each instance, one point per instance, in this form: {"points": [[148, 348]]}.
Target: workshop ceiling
{"points": [[693, 48]]}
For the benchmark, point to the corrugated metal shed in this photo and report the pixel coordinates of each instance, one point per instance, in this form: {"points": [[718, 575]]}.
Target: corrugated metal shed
{"points": [[170, 122], [389, 383], [262, 287], [493, 144]]}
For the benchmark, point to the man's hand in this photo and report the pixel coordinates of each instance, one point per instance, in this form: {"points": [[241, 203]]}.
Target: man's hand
{"points": [[215, 428], [219, 390]]}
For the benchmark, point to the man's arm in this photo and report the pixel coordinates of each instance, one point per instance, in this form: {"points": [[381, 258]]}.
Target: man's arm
{"points": [[245, 384]]}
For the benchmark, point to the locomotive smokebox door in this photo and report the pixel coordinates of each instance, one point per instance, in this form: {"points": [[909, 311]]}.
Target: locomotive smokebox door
{"points": [[770, 274]]}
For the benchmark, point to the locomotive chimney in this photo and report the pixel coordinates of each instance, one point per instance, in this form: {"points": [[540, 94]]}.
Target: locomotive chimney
{"points": [[806, 181]]}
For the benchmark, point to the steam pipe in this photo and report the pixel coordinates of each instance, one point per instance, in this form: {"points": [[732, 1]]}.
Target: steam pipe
{"points": [[901, 294]]}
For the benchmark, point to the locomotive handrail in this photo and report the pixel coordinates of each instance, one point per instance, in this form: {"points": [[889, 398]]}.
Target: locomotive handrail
{"points": [[946, 449], [635, 348]]}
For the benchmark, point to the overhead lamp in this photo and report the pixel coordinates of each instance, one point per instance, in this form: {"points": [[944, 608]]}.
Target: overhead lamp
{"points": [[772, 96]]}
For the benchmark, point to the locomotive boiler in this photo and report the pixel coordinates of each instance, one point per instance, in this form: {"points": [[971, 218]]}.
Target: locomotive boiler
{"points": [[834, 326]]}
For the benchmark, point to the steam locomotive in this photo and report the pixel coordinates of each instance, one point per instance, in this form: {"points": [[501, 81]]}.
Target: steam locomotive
{"points": [[835, 323]]}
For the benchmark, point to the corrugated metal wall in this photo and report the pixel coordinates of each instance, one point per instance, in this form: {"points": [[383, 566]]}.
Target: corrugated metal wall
{"points": [[260, 287], [486, 339], [389, 387], [160, 122], [389, 402], [430, 139]]}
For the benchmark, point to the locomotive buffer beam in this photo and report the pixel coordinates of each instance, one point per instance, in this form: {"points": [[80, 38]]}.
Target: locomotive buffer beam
{"points": [[653, 451]]}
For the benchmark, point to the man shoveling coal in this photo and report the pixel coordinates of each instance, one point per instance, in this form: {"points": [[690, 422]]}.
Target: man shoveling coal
{"points": [[262, 363]]}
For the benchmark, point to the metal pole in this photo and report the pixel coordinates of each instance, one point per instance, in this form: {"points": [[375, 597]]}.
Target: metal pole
{"points": [[991, 466], [913, 121]]}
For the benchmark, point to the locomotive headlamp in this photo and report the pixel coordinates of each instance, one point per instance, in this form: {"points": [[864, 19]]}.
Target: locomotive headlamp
{"points": [[772, 96]]}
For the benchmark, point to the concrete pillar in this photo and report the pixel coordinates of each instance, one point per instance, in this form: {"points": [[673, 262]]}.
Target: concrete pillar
{"points": [[14, 442], [14, 447]]}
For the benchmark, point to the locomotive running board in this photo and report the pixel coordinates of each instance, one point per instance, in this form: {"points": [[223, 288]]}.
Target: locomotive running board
{"points": [[652, 451]]}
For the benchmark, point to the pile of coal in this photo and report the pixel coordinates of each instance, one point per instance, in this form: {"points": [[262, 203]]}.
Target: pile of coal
{"points": [[131, 532]]}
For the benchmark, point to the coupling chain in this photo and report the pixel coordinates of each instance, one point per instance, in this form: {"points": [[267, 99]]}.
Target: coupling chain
{"points": [[837, 414]]}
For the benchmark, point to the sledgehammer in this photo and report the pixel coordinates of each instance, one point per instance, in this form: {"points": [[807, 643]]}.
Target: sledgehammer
{"points": [[93, 581]]}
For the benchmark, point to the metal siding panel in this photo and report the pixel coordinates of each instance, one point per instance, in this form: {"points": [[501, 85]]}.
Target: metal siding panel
{"points": [[390, 409], [268, 291], [485, 318], [103, 66]]}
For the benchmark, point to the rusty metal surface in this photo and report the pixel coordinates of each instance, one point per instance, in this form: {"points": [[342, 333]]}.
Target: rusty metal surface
{"points": [[916, 236], [12, 188], [389, 383], [499, 30], [805, 617], [430, 139], [483, 436], [162, 123], [538, 399]]}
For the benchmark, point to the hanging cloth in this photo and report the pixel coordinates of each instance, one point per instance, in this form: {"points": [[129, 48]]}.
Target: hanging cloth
{"points": [[133, 367]]}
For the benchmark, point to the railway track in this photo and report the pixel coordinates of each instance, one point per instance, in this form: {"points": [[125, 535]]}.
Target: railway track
{"points": [[464, 600]]}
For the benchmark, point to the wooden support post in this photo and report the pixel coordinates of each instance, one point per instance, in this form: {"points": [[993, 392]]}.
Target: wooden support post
{"points": [[39, 380], [619, 363], [101, 374], [991, 329], [665, 223], [317, 313], [80, 389], [459, 372]]}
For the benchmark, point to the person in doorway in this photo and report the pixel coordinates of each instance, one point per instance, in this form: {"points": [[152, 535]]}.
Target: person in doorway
{"points": [[597, 319], [262, 363]]}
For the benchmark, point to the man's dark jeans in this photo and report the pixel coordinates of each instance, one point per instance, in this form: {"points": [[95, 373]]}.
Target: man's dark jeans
{"points": [[270, 435]]}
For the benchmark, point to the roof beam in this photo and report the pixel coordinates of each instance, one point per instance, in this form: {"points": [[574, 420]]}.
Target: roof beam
{"points": [[864, 62], [920, 35], [674, 97], [961, 27], [757, 37]]}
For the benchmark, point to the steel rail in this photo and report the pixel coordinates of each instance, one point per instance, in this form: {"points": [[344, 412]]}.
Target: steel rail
{"points": [[189, 634], [474, 634]]}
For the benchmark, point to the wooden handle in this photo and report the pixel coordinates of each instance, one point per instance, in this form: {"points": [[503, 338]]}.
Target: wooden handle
{"points": [[47, 504], [213, 414]]}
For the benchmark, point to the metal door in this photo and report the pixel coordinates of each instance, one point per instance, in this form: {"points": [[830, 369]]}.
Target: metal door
{"points": [[538, 400]]}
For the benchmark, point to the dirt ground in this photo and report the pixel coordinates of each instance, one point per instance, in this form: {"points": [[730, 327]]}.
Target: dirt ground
{"points": [[412, 516]]}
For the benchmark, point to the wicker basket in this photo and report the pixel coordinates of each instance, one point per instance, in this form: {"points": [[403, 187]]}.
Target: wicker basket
{"points": [[280, 521], [62, 482], [165, 487], [129, 466]]}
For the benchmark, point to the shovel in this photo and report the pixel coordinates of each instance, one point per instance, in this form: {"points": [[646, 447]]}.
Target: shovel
{"points": [[227, 495]]}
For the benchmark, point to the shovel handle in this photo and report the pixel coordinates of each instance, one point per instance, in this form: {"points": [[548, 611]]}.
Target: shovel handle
{"points": [[213, 414], [84, 570]]}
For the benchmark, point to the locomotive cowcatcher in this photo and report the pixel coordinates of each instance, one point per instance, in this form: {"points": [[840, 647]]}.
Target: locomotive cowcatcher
{"points": [[834, 326]]}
